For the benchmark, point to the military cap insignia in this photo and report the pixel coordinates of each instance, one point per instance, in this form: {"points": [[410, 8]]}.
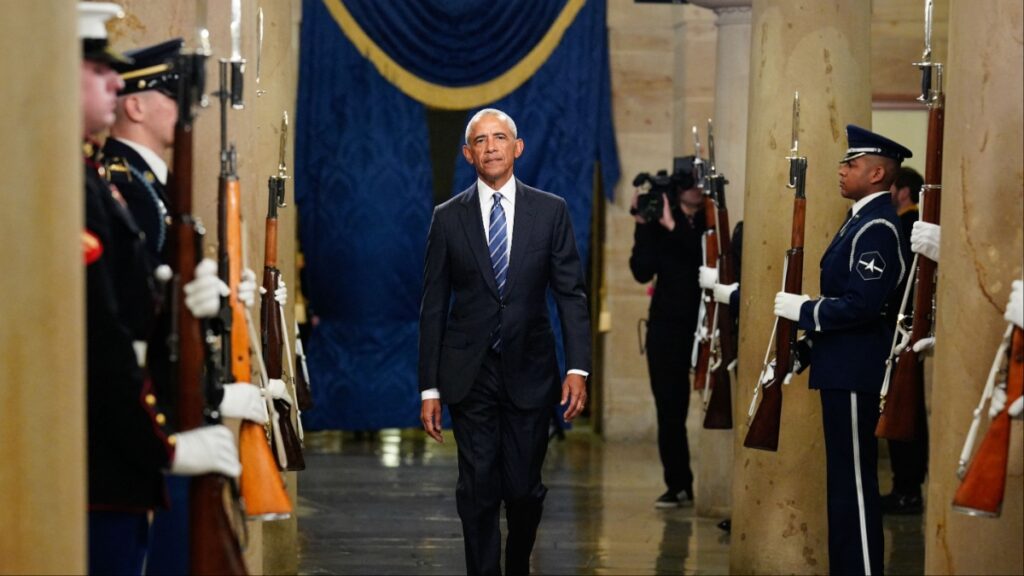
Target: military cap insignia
{"points": [[870, 266]]}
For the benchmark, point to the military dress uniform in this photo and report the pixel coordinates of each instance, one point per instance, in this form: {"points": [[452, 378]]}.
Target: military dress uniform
{"points": [[850, 327], [141, 176]]}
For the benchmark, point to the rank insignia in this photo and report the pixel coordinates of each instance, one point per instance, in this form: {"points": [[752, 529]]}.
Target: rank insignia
{"points": [[870, 266]]}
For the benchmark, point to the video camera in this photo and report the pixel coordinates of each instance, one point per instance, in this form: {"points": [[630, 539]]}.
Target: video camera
{"points": [[649, 204]]}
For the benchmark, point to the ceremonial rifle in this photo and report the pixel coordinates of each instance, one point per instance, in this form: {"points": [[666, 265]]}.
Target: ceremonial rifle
{"points": [[705, 332], [983, 485], [763, 432], [262, 486], [214, 539], [303, 393], [718, 405], [272, 328], [903, 386]]}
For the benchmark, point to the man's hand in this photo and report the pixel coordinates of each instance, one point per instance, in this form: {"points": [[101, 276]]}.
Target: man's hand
{"points": [[574, 393], [1015, 305], [666, 220], [788, 305], [203, 293], [247, 288], [723, 292], [430, 415], [639, 219], [707, 278], [924, 240]]}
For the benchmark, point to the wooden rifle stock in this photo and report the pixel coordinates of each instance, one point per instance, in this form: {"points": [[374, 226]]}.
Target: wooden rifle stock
{"points": [[983, 487], [273, 335], [763, 432], [214, 542], [718, 413], [261, 483], [900, 406]]}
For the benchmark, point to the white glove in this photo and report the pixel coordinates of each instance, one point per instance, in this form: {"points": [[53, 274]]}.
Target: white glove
{"points": [[708, 277], [1016, 408], [243, 400], [281, 294], [247, 288], [924, 239], [723, 292], [203, 293], [210, 449], [1015, 305], [788, 305], [278, 391], [924, 345]]}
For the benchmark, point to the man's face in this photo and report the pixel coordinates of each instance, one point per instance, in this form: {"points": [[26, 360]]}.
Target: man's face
{"points": [[492, 150], [99, 96], [161, 114], [692, 197], [857, 176]]}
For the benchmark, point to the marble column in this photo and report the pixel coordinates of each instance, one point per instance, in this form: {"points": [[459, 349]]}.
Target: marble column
{"points": [[732, 82], [981, 254], [822, 50], [42, 335]]}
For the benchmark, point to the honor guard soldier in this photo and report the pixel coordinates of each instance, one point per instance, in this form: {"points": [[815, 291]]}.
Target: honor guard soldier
{"points": [[141, 136], [850, 328], [129, 442]]}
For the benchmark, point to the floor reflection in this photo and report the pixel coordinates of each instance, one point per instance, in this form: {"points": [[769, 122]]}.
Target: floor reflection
{"points": [[384, 503]]}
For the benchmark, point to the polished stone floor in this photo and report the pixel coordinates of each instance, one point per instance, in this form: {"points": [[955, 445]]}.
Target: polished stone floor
{"points": [[384, 504]]}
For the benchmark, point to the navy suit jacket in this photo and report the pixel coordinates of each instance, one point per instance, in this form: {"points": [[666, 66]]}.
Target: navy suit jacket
{"points": [[851, 324], [460, 308]]}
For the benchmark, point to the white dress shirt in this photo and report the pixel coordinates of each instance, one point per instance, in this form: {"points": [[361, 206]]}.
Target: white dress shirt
{"points": [[508, 203]]}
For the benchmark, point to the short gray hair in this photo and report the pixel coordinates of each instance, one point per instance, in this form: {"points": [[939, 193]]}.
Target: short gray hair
{"points": [[491, 112]]}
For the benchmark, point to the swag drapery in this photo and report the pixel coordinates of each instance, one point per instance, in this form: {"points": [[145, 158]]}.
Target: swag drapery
{"points": [[364, 181]]}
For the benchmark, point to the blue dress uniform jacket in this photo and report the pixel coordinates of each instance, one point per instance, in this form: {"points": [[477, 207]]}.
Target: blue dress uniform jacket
{"points": [[850, 324], [128, 443]]}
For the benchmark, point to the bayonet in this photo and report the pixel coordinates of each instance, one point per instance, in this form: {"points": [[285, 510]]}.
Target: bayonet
{"points": [[926, 65], [259, 50], [237, 62], [278, 180], [797, 163], [711, 149]]}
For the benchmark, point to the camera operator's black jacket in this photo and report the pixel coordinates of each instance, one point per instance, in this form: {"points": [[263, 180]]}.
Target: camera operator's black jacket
{"points": [[674, 257]]}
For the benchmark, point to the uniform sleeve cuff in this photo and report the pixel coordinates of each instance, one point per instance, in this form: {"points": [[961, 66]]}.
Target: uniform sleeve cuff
{"points": [[580, 372], [431, 394]]}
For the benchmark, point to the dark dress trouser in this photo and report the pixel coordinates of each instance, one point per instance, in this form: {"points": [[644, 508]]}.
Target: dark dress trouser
{"points": [[910, 459], [855, 540], [501, 451], [669, 344]]}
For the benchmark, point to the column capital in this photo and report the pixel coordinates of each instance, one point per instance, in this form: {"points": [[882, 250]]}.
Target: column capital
{"points": [[728, 11]]}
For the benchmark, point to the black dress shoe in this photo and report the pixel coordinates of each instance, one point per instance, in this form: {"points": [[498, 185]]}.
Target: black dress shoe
{"points": [[725, 525], [896, 504]]}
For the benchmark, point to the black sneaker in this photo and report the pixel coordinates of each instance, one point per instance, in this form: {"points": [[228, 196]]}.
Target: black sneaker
{"points": [[896, 504], [668, 500]]}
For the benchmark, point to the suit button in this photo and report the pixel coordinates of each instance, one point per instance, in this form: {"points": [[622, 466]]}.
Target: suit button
{"points": [[502, 306]]}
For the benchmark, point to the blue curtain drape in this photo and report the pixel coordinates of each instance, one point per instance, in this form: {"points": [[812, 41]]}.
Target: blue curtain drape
{"points": [[364, 180]]}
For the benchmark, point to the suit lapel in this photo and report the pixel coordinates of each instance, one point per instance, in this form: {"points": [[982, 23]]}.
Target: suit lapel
{"points": [[473, 226], [522, 230]]}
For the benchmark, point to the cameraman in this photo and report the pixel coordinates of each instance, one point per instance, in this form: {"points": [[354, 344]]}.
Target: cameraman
{"points": [[668, 249]]}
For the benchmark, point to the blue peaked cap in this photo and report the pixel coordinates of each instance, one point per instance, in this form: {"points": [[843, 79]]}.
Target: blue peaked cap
{"points": [[863, 142]]}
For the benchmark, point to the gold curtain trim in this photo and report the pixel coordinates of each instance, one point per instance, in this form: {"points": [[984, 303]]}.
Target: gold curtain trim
{"points": [[446, 97]]}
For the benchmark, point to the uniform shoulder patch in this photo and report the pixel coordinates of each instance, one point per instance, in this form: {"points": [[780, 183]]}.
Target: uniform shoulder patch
{"points": [[870, 265]]}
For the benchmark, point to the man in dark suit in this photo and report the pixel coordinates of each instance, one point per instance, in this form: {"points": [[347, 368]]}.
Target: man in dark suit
{"points": [[486, 345], [850, 329], [909, 459]]}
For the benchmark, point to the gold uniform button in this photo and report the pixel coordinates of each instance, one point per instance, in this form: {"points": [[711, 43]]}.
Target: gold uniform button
{"points": [[150, 400], [161, 419], [172, 440]]}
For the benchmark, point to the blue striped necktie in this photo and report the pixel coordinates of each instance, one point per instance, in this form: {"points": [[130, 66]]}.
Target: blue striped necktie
{"points": [[497, 232]]}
